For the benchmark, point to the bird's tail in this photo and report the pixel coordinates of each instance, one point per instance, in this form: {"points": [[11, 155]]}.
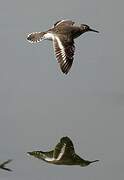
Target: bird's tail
{"points": [[36, 154], [35, 37]]}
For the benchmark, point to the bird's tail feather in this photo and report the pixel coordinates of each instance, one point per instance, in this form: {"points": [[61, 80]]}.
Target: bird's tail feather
{"points": [[35, 37]]}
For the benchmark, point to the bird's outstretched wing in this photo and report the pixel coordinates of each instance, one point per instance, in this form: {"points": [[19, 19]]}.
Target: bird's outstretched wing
{"points": [[2, 166], [64, 149], [64, 22], [64, 51]]}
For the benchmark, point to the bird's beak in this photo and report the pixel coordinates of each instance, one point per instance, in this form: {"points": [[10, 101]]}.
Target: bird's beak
{"points": [[93, 30]]}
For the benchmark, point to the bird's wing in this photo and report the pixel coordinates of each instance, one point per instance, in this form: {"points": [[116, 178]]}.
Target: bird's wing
{"points": [[64, 52], [64, 22], [64, 149]]}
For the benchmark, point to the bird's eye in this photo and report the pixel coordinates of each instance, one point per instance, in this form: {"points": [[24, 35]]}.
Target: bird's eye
{"points": [[85, 27]]}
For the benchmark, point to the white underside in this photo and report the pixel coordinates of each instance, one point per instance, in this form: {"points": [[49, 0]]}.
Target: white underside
{"points": [[62, 49], [49, 36], [49, 159], [59, 156], [61, 153]]}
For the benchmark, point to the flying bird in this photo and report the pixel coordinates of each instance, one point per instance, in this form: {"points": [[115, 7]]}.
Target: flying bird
{"points": [[62, 34], [2, 166], [63, 154]]}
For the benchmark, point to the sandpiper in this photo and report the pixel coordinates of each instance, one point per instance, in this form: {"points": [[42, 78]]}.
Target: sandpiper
{"points": [[63, 154], [62, 34], [2, 166]]}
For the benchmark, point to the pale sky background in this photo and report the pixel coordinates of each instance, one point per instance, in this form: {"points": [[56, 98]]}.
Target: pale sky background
{"points": [[39, 105]]}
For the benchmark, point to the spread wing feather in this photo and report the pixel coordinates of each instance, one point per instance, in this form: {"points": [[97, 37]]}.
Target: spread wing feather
{"points": [[64, 52], [64, 149]]}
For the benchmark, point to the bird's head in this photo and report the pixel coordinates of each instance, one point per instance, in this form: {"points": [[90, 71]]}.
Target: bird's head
{"points": [[87, 28]]}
